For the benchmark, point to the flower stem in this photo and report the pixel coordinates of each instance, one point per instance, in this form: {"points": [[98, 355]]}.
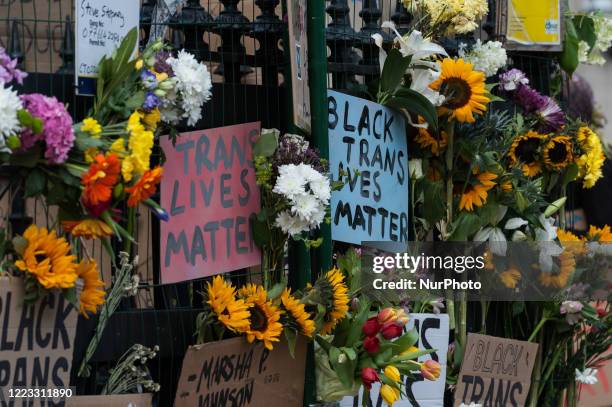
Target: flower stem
{"points": [[450, 302], [537, 328]]}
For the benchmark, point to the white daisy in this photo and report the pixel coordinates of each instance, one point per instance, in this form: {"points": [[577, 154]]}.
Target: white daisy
{"points": [[587, 376], [9, 123]]}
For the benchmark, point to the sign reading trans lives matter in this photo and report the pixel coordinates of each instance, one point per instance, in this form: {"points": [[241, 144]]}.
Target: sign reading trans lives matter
{"points": [[367, 142], [209, 191]]}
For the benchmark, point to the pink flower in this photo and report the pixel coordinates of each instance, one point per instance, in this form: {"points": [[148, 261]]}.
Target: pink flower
{"points": [[57, 127]]}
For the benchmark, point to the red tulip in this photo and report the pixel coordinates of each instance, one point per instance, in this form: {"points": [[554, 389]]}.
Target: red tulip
{"points": [[370, 328], [371, 344], [369, 376], [430, 369], [391, 330]]}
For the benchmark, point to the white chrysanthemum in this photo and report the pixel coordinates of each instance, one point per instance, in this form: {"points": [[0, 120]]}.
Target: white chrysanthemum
{"points": [[587, 376], [305, 205], [193, 83], [317, 217], [489, 57], [290, 181], [291, 224], [321, 188], [9, 123]]}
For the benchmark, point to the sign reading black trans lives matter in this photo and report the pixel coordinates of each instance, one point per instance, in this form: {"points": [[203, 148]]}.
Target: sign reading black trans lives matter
{"points": [[367, 143]]}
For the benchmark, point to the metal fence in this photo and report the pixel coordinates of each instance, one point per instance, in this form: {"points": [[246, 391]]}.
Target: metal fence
{"points": [[242, 42]]}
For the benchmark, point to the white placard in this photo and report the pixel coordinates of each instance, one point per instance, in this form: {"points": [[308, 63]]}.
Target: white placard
{"points": [[433, 334], [101, 25]]}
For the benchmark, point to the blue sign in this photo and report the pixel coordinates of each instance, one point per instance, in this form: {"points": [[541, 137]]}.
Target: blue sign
{"points": [[367, 143]]}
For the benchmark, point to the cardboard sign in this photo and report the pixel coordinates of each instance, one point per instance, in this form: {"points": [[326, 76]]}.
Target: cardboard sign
{"points": [[433, 334], [209, 191], [235, 373], [368, 142], [101, 25], [600, 393], [495, 371], [531, 25], [298, 47], [36, 341], [119, 400]]}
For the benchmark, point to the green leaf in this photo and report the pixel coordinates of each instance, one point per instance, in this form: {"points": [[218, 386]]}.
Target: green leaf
{"points": [[35, 183], [126, 49], [416, 103], [405, 341], [466, 225], [570, 174], [569, 57], [70, 295], [291, 337], [20, 244], [265, 145], [521, 202], [357, 322], [28, 158], [276, 290], [434, 209], [135, 101], [261, 232], [585, 29], [394, 70]]}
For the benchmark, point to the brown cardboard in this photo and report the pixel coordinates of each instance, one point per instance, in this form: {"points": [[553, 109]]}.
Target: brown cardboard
{"points": [[495, 371], [248, 374], [120, 400], [36, 341]]}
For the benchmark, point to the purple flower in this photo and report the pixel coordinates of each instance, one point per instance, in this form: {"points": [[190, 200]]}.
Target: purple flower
{"points": [[512, 79], [529, 99], [57, 127], [148, 78], [161, 64], [550, 115], [572, 311], [151, 102], [8, 69]]}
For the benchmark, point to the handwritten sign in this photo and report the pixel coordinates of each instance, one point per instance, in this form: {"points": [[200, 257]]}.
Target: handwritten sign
{"points": [[495, 371], [101, 25], [235, 373], [298, 47], [36, 341], [367, 141], [210, 192], [118, 400], [433, 334]]}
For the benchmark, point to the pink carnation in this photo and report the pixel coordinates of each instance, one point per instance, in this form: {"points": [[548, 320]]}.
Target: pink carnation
{"points": [[57, 127]]}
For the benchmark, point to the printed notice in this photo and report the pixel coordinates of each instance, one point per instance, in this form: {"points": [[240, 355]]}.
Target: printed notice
{"points": [[533, 23]]}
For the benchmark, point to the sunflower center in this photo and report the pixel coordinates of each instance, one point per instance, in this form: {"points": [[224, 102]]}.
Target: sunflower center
{"points": [[258, 319], [526, 150], [558, 153], [40, 257], [457, 91]]}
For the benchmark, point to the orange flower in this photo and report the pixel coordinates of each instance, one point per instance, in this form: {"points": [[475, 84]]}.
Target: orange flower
{"points": [[145, 187], [100, 180], [87, 228]]}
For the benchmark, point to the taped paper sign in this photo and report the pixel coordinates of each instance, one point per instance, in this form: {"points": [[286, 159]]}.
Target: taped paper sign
{"points": [[367, 142], [534, 22], [36, 342], [495, 371], [298, 45], [101, 25], [119, 400], [210, 192], [235, 373], [433, 334]]}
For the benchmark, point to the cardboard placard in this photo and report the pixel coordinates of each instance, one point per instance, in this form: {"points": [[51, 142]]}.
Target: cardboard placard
{"points": [[119, 400], [209, 191], [495, 371], [371, 139], [234, 372], [298, 47], [36, 341], [433, 332], [101, 25], [531, 26], [600, 393]]}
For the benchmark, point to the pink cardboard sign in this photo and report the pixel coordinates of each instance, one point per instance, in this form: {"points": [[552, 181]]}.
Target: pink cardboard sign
{"points": [[209, 191]]}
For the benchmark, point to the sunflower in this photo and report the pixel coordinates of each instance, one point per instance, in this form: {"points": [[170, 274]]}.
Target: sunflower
{"points": [[337, 291], [507, 185], [510, 277], [264, 322], [100, 180], [591, 161], [145, 187], [92, 293], [87, 228], [525, 150], [596, 234], [47, 257], [566, 264], [428, 142], [476, 193], [557, 152], [297, 314], [571, 242], [463, 88], [233, 313]]}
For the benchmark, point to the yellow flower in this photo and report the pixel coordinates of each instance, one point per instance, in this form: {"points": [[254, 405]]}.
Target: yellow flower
{"points": [[566, 264], [464, 89], [507, 186], [596, 234], [525, 150], [87, 228], [412, 349], [510, 277], [92, 127], [476, 194], [389, 394], [140, 145], [92, 294], [90, 153], [264, 322], [428, 142], [152, 118], [231, 312], [139, 64], [591, 162], [297, 312], [161, 76], [339, 300], [558, 152], [571, 242], [392, 373], [48, 258], [118, 146]]}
